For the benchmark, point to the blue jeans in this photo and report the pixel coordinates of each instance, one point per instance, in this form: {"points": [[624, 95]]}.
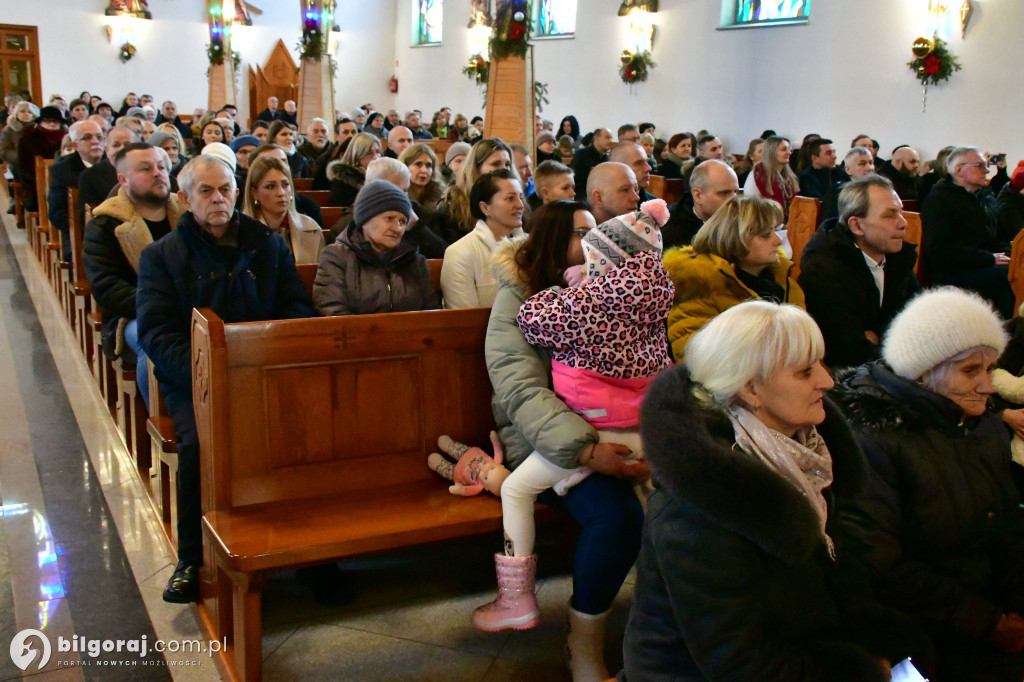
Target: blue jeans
{"points": [[131, 337], [611, 521]]}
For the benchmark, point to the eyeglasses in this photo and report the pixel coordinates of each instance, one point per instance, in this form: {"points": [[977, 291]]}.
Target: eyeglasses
{"points": [[976, 164]]}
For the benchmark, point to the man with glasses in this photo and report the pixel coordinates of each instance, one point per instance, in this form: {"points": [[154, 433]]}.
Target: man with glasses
{"points": [[88, 139], [960, 243]]}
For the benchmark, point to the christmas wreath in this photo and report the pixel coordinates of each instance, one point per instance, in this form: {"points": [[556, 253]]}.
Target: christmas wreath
{"points": [[477, 69], [511, 30], [933, 63], [635, 66], [127, 52]]}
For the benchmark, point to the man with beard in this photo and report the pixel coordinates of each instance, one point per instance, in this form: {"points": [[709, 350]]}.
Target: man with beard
{"points": [[902, 171], [88, 140], [142, 211]]}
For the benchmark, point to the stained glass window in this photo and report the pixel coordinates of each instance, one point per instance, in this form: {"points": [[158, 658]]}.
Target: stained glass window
{"points": [[428, 22], [768, 11], [554, 17]]}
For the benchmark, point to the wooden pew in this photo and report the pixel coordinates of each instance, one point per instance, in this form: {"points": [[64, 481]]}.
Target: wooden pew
{"points": [[321, 196], [302, 184], [913, 234], [163, 449], [78, 285], [41, 242], [338, 416], [673, 190], [1016, 270], [19, 205], [656, 186], [804, 215]]}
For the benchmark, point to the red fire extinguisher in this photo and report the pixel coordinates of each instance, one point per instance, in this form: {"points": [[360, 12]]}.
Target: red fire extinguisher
{"points": [[393, 84]]}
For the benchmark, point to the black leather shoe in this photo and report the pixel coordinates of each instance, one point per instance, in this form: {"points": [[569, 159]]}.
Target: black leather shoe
{"points": [[183, 587]]}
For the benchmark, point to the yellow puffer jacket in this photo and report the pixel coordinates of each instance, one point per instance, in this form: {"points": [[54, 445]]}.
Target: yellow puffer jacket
{"points": [[707, 285]]}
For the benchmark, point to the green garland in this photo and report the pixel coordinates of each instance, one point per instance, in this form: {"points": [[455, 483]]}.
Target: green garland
{"points": [[635, 66], [936, 66], [127, 52], [511, 36], [311, 45], [477, 69]]}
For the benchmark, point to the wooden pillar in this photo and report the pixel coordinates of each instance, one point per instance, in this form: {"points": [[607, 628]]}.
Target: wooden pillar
{"points": [[223, 88], [316, 82], [510, 107]]}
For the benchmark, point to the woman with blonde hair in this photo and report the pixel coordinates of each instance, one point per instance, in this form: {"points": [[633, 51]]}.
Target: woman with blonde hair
{"points": [[772, 177], [485, 156], [742, 544], [173, 131], [425, 185], [734, 257], [270, 199], [348, 174]]}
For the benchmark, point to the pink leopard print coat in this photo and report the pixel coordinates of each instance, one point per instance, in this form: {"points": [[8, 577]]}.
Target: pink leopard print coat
{"points": [[614, 325]]}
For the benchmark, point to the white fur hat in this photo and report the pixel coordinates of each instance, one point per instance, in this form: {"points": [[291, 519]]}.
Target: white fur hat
{"points": [[937, 325], [219, 150]]}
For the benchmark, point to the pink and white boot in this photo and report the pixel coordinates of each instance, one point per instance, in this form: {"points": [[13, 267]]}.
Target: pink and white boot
{"points": [[516, 606]]}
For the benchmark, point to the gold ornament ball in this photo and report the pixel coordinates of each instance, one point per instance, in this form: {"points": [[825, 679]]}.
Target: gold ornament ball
{"points": [[626, 57], [923, 47]]}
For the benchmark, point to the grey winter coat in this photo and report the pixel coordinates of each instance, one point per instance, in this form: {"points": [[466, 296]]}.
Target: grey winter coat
{"points": [[353, 279], [528, 414]]}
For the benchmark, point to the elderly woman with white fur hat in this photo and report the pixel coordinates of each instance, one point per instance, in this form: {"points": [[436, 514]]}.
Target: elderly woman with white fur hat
{"points": [[939, 525]]}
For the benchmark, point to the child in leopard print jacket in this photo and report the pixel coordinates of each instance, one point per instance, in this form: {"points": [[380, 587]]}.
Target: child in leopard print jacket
{"points": [[608, 340], [607, 331]]}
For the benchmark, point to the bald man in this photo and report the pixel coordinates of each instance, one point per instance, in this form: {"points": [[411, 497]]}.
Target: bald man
{"points": [[901, 169], [713, 183], [586, 158], [634, 156], [399, 138], [612, 191]]}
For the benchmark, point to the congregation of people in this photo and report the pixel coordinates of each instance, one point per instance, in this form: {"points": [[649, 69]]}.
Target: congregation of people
{"points": [[835, 488]]}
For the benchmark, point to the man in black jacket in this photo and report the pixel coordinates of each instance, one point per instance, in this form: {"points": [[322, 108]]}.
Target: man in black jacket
{"points": [[586, 158], [252, 277], [901, 169], [821, 175], [169, 114], [713, 184], [960, 242], [88, 139], [143, 211], [857, 273], [95, 184]]}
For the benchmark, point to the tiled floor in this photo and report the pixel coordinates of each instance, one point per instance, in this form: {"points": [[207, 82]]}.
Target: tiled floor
{"points": [[81, 552]]}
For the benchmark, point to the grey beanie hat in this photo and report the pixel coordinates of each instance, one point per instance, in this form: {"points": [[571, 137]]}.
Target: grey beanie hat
{"points": [[457, 149], [376, 197], [936, 326], [159, 137]]}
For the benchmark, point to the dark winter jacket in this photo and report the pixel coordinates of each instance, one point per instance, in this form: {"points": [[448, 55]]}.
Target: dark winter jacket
{"points": [[346, 181], [353, 279], [956, 234], [906, 186], [682, 226], [94, 184], [842, 297], [734, 579], [818, 182], [939, 524], [63, 174], [184, 128], [1010, 212], [113, 243], [9, 136], [187, 269], [583, 162], [312, 156], [35, 141]]}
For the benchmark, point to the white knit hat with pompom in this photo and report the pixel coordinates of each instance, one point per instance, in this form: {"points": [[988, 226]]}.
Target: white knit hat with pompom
{"points": [[937, 325]]}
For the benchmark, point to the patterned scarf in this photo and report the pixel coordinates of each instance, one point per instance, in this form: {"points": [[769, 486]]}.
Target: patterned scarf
{"points": [[803, 461]]}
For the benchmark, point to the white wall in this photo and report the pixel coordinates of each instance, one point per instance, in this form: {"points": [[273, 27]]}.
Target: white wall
{"points": [[171, 59], [842, 74]]}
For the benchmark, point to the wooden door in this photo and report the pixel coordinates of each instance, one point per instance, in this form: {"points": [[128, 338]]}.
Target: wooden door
{"points": [[19, 61]]}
